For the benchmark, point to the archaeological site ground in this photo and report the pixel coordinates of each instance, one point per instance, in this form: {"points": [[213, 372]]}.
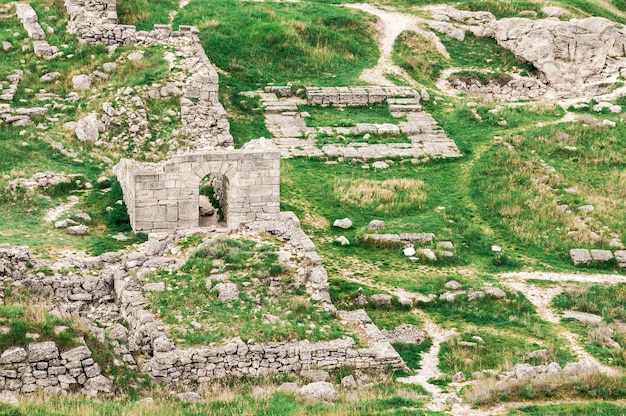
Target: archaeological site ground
{"points": [[313, 207]]}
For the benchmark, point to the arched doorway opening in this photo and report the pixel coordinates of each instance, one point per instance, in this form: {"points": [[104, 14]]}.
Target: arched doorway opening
{"points": [[212, 200]]}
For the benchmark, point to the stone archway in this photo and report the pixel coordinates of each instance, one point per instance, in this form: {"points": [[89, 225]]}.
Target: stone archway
{"points": [[164, 196]]}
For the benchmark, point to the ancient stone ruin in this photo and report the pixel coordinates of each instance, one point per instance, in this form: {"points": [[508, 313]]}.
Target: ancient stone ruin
{"points": [[165, 196]]}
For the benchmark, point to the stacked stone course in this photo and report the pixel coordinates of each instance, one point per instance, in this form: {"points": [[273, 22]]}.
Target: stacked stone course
{"points": [[42, 366]]}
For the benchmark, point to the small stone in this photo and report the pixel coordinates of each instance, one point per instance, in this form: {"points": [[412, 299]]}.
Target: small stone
{"points": [[428, 254], [580, 256], [453, 284], [319, 391], [81, 82], [270, 319], [376, 225], [601, 256], [50, 76], [495, 292], [409, 251], [348, 383], [226, 291], [496, 249], [135, 56], [380, 165], [458, 377], [445, 245], [447, 297], [381, 299], [78, 230], [109, 66], [344, 223], [314, 375], [586, 209], [88, 128], [343, 240], [477, 294], [154, 287], [539, 355], [84, 217]]}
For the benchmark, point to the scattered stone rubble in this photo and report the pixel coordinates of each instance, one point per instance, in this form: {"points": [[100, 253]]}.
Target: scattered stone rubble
{"points": [[201, 112], [519, 88], [46, 180], [14, 81]]}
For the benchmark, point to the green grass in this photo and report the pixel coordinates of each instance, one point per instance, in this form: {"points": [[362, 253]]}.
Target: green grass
{"points": [[384, 401], [303, 43], [606, 301], [484, 53], [521, 199], [418, 56], [347, 116], [580, 409], [514, 313], [594, 340], [145, 14], [411, 353], [593, 387], [272, 288], [498, 351]]}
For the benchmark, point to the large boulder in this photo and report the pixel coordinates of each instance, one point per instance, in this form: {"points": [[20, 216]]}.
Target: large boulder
{"points": [[319, 391], [88, 128], [565, 53]]}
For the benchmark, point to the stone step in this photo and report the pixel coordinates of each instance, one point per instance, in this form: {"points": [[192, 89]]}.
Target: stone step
{"points": [[279, 108]]}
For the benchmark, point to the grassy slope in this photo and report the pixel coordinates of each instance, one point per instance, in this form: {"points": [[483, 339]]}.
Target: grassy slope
{"points": [[321, 44]]}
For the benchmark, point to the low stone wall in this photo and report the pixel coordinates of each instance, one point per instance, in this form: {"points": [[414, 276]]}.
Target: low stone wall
{"points": [[164, 197], [41, 366], [238, 358], [356, 96], [517, 89], [14, 261], [105, 291]]}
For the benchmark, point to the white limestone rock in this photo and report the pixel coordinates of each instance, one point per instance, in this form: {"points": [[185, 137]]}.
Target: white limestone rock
{"points": [[81, 82], [319, 391], [344, 223], [88, 128]]}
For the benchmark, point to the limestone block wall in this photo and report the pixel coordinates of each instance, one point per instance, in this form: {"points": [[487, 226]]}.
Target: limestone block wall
{"points": [[356, 96], [41, 366], [164, 196]]}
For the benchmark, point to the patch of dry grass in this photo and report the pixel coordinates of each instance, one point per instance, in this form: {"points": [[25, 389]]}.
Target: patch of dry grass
{"points": [[392, 195]]}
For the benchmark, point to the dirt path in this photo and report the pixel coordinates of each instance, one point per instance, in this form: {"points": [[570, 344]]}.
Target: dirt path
{"points": [[54, 213], [430, 364], [541, 297], [389, 27], [609, 279]]}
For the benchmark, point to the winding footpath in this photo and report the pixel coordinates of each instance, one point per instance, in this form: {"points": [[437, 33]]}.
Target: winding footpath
{"points": [[390, 26]]}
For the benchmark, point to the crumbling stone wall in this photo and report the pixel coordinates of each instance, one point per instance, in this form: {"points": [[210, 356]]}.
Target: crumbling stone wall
{"points": [[42, 366], [164, 196], [95, 21]]}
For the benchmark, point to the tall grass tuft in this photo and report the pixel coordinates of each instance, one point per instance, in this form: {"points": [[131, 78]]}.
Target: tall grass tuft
{"points": [[391, 195]]}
